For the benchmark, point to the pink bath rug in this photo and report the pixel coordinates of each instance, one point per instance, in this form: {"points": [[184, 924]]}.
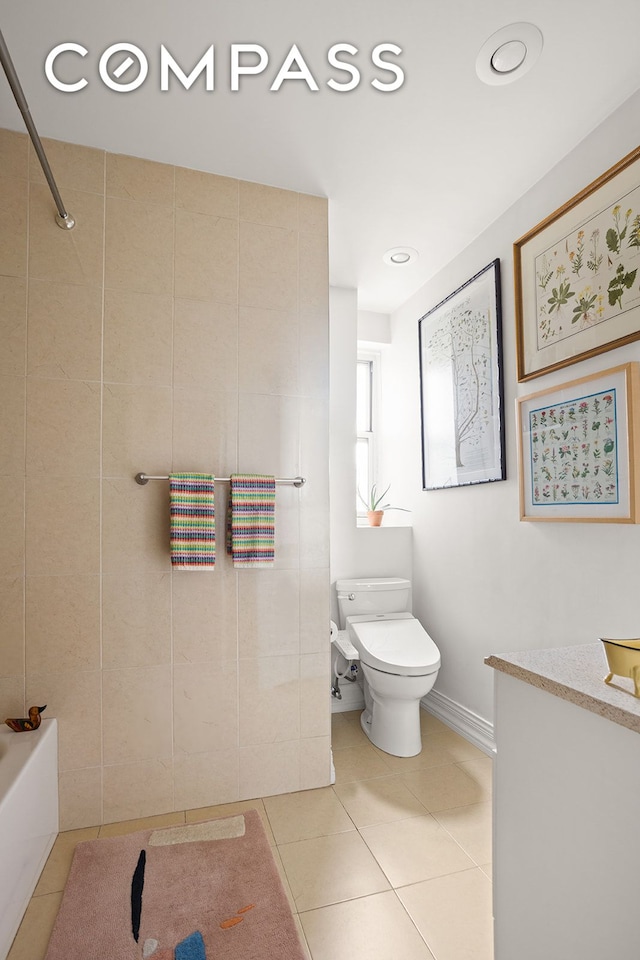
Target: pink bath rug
{"points": [[201, 891]]}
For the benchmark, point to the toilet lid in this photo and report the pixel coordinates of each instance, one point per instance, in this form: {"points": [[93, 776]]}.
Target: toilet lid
{"points": [[400, 646]]}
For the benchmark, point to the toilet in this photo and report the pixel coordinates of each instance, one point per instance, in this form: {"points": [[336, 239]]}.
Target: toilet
{"points": [[399, 660]]}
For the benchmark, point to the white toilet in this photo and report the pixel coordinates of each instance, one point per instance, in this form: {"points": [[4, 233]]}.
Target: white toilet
{"points": [[399, 660]]}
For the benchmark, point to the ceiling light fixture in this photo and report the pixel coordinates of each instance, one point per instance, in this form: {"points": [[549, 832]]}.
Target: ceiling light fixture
{"points": [[509, 53], [400, 256]]}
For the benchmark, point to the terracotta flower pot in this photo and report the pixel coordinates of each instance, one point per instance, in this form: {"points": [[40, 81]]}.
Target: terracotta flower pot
{"points": [[375, 517]]}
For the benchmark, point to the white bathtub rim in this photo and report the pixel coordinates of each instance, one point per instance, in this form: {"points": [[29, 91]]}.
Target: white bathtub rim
{"points": [[29, 786], [20, 746]]}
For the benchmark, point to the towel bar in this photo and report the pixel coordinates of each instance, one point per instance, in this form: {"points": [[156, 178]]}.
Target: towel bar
{"points": [[143, 478]]}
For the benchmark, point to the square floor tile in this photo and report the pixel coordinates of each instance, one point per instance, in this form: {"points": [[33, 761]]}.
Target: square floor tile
{"points": [[457, 746], [331, 869], [471, 827], [371, 928], [453, 914], [122, 827], [56, 869], [359, 763], [310, 813], [33, 936], [431, 725], [434, 753], [378, 801], [481, 771], [413, 850], [349, 733], [440, 788]]}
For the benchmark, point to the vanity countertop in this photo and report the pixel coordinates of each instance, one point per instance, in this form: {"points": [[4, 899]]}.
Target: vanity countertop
{"points": [[575, 674]]}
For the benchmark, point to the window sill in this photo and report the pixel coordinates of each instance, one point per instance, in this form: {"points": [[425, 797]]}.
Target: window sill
{"points": [[363, 523]]}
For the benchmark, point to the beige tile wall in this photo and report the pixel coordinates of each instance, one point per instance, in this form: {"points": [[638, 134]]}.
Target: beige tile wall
{"points": [[182, 325]]}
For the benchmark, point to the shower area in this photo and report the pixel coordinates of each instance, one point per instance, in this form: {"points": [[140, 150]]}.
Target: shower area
{"points": [[158, 318]]}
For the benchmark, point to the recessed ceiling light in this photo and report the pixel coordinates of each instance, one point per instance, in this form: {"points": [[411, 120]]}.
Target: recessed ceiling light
{"points": [[400, 256], [509, 56], [509, 53]]}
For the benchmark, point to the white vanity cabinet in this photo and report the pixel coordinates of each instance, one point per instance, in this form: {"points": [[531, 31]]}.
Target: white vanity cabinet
{"points": [[566, 808]]}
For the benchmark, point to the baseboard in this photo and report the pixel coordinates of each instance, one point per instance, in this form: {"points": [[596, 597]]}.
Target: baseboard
{"points": [[468, 724]]}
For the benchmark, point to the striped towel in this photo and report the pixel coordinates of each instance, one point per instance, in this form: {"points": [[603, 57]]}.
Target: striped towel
{"points": [[193, 525], [251, 520]]}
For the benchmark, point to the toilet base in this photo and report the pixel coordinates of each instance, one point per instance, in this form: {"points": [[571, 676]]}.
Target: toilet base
{"points": [[391, 718], [399, 734]]}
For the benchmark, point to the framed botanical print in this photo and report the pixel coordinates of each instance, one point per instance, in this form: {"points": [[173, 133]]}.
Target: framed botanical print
{"points": [[461, 398], [577, 275], [576, 449]]}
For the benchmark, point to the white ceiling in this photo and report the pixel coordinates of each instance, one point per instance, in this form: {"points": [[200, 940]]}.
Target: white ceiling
{"points": [[429, 166]]}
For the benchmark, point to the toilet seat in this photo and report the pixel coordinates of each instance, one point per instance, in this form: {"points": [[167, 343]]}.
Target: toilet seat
{"points": [[396, 644]]}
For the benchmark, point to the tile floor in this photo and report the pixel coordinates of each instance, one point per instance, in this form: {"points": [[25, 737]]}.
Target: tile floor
{"points": [[390, 863]]}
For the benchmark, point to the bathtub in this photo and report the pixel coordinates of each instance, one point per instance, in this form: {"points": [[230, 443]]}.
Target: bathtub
{"points": [[28, 818]]}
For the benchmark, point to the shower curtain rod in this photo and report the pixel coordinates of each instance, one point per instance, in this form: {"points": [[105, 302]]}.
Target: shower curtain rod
{"points": [[63, 217], [143, 478]]}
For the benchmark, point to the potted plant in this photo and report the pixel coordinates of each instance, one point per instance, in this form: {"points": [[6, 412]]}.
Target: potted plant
{"points": [[375, 507]]}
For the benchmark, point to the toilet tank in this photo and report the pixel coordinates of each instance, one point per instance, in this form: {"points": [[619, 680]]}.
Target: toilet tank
{"points": [[373, 596]]}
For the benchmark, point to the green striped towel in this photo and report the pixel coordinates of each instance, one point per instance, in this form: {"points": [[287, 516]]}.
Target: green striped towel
{"points": [[251, 520], [193, 524]]}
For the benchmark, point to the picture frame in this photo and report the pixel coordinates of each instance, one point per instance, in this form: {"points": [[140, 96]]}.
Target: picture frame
{"points": [[577, 275], [461, 392], [577, 445]]}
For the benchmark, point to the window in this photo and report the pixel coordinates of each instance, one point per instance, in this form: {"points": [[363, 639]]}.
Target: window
{"points": [[366, 411]]}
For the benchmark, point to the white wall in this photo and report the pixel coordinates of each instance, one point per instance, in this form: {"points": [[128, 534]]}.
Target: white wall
{"points": [[484, 582], [374, 328], [343, 311], [355, 551]]}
